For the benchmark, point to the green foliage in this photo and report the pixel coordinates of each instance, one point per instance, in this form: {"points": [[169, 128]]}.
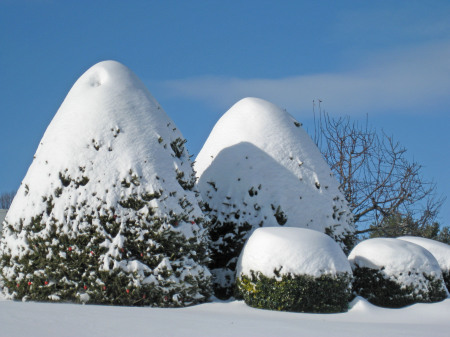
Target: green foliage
{"points": [[178, 147], [186, 183], [228, 239], [279, 215], [55, 269], [179, 151], [348, 239], [373, 285], [62, 267], [150, 196], [397, 225], [133, 202], [446, 276], [444, 235], [109, 255], [66, 180], [298, 293]]}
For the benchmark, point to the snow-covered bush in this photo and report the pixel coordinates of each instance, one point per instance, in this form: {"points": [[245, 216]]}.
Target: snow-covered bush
{"points": [[395, 273], [294, 269], [106, 211], [259, 168], [440, 251]]}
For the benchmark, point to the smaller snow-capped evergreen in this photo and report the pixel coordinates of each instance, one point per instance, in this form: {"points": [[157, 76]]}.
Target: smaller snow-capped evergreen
{"points": [[395, 273], [259, 168], [440, 250], [106, 211], [294, 269]]}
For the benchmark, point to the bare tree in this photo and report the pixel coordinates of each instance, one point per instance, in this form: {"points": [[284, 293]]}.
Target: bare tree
{"points": [[6, 199], [374, 173]]}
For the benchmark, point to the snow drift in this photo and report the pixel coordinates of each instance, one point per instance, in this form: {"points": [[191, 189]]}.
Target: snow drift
{"points": [[220, 319]]}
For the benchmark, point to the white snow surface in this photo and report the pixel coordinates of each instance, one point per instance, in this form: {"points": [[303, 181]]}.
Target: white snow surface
{"points": [[440, 250], [255, 144], [295, 251], [403, 261], [111, 124], [220, 319]]}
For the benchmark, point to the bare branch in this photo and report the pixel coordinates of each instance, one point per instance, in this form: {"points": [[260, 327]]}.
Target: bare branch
{"points": [[374, 173]]}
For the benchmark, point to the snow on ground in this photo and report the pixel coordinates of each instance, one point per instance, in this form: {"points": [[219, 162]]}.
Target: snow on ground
{"points": [[295, 251], [219, 319]]}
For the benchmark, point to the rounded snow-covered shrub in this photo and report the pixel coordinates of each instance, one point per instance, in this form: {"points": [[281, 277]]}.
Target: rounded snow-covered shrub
{"points": [[440, 251], [394, 273], [259, 168], [106, 212], [294, 269]]}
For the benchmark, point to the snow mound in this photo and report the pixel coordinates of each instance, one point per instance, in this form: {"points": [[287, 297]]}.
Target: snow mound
{"points": [[111, 169], [395, 258], [295, 251], [259, 165], [440, 250], [395, 273]]}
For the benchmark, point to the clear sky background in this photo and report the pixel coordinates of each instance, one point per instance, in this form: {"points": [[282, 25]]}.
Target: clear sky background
{"points": [[389, 60]]}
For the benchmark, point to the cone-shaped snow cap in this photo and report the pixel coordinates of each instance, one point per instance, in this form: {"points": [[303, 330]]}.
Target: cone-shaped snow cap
{"points": [[108, 126], [260, 161], [108, 200]]}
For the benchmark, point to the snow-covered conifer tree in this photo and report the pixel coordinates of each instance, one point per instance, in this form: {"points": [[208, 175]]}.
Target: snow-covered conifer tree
{"points": [[259, 168], [106, 212]]}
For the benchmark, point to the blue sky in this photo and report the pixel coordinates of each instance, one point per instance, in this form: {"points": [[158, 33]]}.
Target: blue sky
{"points": [[389, 60]]}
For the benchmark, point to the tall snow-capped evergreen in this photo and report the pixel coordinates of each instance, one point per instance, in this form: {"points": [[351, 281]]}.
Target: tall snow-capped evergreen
{"points": [[259, 168], [106, 211]]}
